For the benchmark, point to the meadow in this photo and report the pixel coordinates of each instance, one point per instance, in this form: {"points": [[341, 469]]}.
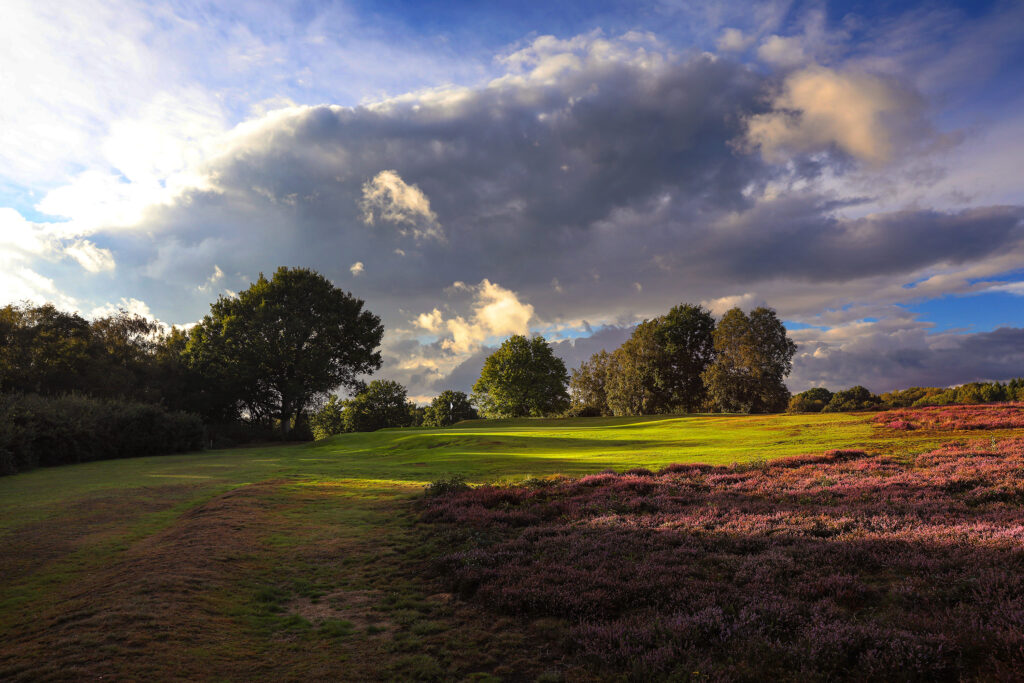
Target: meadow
{"points": [[325, 560]]}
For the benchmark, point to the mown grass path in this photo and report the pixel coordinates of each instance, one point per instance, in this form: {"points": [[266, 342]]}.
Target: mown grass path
{"points": [[304, 561]]}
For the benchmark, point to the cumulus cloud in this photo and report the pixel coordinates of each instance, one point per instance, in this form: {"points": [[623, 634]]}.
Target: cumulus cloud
{"points": [[496, 312], [861, 114], [386, 197], [356, 269]]}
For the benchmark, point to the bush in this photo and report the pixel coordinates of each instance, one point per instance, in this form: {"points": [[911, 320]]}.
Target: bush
{"points": [[451, 484], [329, 420], [38, 431]]}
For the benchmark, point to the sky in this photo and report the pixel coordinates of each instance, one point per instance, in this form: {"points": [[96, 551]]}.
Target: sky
{"points": [[475, 170]]}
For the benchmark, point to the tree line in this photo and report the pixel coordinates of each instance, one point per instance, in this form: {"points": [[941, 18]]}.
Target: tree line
{"points": [[857, 398], [684, 362]]}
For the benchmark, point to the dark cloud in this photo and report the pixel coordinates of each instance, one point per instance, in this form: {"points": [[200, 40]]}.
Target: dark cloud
{"points": [[620, 174], [894, 360]]}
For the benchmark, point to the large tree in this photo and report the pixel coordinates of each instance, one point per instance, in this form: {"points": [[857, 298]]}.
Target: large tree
{"points": [[686, 337], [276, 346], [753, 356], [522, 378], [634, 377]]}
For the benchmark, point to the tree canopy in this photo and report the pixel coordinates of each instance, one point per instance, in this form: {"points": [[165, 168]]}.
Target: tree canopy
{"points": [[752, 357], [523, 378], [382, 404], [279, 344], [447, 408]]}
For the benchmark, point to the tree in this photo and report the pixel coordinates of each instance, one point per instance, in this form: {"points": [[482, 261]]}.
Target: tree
{"points": [[588, 386], [522, 378], [854, 398], [447, 408], [686, 334], [752, 357], [634, 385], [329, 420], [279, 344], [382, 404], [810, 401]]}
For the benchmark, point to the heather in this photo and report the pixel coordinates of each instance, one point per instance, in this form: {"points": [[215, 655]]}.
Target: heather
{"points": [[839, 566], [948, 418]]}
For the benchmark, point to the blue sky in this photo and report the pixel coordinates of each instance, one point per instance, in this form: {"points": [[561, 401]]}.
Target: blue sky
{"points": [[474, 170]]}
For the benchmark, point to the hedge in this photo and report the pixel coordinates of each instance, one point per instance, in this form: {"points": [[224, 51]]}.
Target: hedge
{"points": [[39, 431]]}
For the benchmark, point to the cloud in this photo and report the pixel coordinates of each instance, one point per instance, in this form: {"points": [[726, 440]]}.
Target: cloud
{"points": [[390, 199], [733, 40], [782, 51], [356, 269], [861, 114], [90, 257], [900, 352], [496, 312]]}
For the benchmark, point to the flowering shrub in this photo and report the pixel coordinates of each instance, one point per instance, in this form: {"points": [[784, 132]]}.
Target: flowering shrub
{"points": [[841, 565], [996, 416]]}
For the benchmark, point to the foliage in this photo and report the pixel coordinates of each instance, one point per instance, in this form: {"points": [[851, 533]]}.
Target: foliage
{"points": [[382, 404], [815, 567], [329, 420], [686, 335], [810, 401], [854, 398], [752, 357], [588, 392], [453, 483], [634, 385], [268, 352], [47, 351], [523, 378], [59, 430], [904, 398], [447, 408]]}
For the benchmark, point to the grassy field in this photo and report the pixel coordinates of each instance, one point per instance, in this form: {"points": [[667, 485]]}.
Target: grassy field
{"points": [[306, 560]]}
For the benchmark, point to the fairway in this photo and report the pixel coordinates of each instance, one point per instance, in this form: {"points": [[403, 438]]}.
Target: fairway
{"points": [[304, 560]]}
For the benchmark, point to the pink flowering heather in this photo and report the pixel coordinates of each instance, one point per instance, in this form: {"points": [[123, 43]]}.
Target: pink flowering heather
{"points": [[837, 566], [948, 418]]}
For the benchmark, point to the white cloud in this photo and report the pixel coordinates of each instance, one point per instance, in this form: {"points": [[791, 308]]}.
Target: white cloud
{"points": [[724, 303], [389, 198], [356, 268], [213, 280], [733, 40], [129, 305], [818, 107], [496, 312], [781, 51], [90, 257]]}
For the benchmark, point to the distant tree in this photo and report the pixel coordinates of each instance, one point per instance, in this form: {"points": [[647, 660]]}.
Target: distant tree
{"points": [[753, 355], [634, 385], [588, 386], [329, 420], [810, 401], [854, 398], [686, 336], [44, 350], [522, 378], [279, 344], [382, 404], [447, 408], [904, 398], [416, 414]]}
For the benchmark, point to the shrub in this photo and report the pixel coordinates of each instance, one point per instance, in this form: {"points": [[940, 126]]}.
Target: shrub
{"points": [[453, 483], [43, 431], [810, 401], [854, 398]]}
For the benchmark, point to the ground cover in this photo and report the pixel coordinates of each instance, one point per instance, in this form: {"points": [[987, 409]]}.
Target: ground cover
{"points": [[953, 418], [308, 561], [842, 566]]}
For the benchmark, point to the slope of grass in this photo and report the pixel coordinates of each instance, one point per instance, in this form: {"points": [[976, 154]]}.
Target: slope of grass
{"points": [[84, 545]]}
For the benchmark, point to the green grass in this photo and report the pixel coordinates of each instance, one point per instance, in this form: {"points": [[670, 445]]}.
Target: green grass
{"points": [[317, 568]]}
